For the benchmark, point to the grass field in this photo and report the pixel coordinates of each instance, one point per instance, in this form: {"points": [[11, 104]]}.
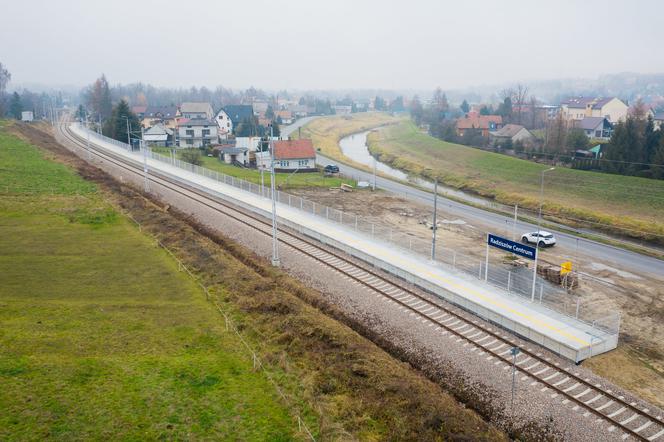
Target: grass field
{"points": [[284, 180], [102, 337], [327, 131], [620, 204]]}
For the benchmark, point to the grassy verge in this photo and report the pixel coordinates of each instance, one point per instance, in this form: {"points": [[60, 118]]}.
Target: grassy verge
{"points": [[356, 390], [283, 180], [326, 132], [101, 336], [627, 206]]}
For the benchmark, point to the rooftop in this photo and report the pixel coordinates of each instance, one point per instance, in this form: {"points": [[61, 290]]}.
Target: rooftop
{"points": [[294, 149]]}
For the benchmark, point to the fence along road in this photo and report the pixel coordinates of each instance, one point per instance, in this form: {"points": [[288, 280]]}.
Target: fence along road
{"points": [[623, 258], [634, 421]]}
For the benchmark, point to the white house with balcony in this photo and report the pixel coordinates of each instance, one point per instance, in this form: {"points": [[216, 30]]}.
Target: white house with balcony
{"points": [[197, 132]]}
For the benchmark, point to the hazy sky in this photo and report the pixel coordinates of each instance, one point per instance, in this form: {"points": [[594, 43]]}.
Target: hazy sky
{"points": [[311, 44]]}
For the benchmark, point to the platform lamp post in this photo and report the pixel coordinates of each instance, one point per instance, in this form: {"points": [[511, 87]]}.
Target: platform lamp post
{"points": [[539, 223], [434, 228], [275, 248], [87, 133]]}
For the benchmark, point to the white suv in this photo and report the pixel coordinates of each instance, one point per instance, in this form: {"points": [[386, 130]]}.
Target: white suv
{"points": [[542, 239]]}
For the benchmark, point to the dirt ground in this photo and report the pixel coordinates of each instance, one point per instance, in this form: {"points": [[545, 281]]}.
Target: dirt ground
{"points": [[638, 363]]}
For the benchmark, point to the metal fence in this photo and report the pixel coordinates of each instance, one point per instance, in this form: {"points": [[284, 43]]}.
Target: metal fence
{"points": [[516, 282]]}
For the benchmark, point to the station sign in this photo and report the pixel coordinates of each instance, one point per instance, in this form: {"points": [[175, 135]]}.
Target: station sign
{"points": [[511, 246]]}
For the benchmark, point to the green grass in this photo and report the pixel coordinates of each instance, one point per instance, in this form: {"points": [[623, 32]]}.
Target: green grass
{"points": [[610, 202], [284, 180], [101, 336]]}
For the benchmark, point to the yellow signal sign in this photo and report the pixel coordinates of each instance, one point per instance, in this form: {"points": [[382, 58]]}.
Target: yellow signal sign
{"points": [[565, 267]]}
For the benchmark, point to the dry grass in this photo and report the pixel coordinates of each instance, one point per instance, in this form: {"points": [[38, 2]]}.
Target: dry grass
{"points": [[327, 131]]}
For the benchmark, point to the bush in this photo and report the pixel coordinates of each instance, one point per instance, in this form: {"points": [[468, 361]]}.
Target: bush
{"points": [[192, 156]]}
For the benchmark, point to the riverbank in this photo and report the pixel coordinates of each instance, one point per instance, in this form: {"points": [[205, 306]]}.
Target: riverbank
{"points": [[623, 206], [326, 132]]}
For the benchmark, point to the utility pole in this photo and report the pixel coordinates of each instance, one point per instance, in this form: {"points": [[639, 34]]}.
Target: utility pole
{"points": [[128, 132], [539, 222], [87, 132], [145, 161], [516, 208], [374, 173], [275, 248], [435, 221]]}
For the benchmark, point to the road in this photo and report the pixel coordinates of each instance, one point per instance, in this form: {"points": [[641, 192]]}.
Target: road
{"points": [[621, 258]]}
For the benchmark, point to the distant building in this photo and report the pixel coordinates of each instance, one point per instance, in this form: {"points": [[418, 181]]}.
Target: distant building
{"points": [[596, 127], [197, 110], [229, 117], [513, 133], [285, 116], [578, 108], [197, 132], [290, 155], [139, 111], [473, 120], [158, 135], [342, 109], [658, 119], [27, 116], [234, 155], [164, 115]]}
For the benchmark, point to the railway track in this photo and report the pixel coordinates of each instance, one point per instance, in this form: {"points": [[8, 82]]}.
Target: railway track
{"points": [[589, 398]]}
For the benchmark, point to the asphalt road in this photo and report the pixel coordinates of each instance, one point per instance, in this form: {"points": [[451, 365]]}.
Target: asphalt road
{"points": [[620, 258]]}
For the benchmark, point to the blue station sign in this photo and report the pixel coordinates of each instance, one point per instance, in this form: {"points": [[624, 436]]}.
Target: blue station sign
{"points": [[511, 246]]}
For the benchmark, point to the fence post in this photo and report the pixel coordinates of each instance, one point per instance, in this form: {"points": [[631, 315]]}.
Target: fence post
{"points": [[541, 291], [301, 203], [454, 259], [480, 273], [355, 222], [509, 278], [289, 200], [327, 212]]}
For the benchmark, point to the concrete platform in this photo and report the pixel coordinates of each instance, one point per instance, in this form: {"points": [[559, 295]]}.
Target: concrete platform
{"points": [[563, 335]]}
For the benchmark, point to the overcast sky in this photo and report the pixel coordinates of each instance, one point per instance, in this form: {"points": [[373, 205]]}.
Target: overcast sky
{"points": [[334, 44]]}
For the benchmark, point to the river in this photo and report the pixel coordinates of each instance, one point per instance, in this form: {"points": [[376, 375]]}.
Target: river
{"points": [[355, 147]]}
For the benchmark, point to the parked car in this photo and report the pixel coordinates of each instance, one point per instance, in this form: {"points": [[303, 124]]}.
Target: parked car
{"points": [[541, 238], [331, 168]]}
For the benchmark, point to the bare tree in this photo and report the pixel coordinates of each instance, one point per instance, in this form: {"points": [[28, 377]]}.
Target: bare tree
{"points": [[5, 76], [519, 98]]}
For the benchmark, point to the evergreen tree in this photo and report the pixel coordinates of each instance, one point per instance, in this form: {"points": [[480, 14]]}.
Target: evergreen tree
{"points": [[116, 126], [657, 162], [577, 139], [269, 113], [465, 107], [15, 106], [80, 112]]}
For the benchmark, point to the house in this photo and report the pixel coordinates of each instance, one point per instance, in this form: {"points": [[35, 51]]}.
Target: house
{"points": [[230, 116], [596, 127], [299, 110], [27, 116], [197, 110], [473, 120], [259, 107], [158, 135], [251, 143], [286, 116], [513, 133], [289, 156], [164, 115], [597, 151], [139, 111], [234, 155], [578, 108], [342, 109], [197, 132], [658, 120]]}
